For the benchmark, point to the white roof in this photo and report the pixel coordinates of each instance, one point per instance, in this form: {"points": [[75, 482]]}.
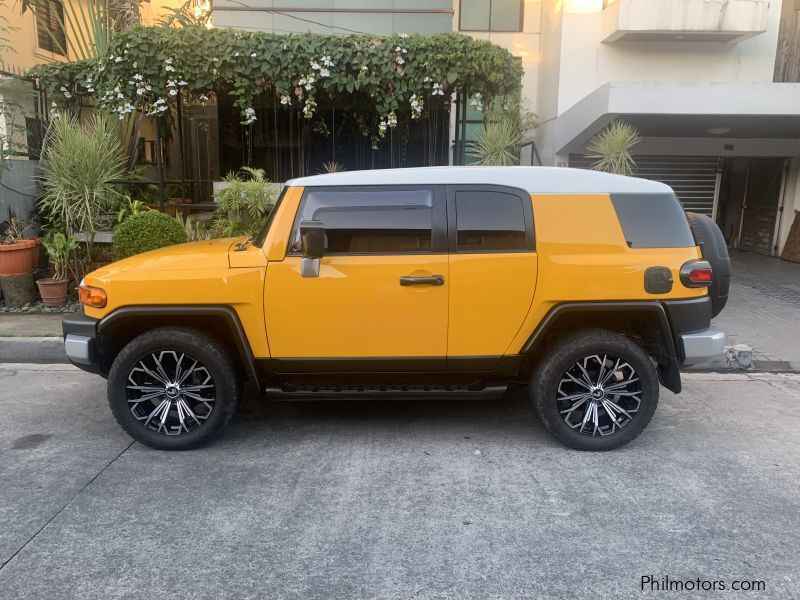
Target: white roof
{"points": [[535, 180]]}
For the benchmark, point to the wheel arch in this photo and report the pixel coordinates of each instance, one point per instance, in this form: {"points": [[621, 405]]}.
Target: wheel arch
{"points": [[124, 324], [645, 321]]}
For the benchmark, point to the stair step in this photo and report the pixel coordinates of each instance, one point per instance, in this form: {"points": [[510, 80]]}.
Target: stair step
{"points": [[405, 391]]}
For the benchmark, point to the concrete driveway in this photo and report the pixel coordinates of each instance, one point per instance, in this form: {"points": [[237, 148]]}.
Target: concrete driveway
{"points": [[396, 500]]}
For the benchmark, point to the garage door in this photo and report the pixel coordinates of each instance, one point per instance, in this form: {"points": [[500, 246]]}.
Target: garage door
{"points": [[694, 178]]}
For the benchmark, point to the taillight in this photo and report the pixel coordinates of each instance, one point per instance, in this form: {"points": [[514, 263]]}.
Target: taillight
{"points": [[92, 296], [696, 274]]}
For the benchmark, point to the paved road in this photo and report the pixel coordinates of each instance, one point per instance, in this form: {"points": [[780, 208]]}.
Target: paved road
{"points": [[392, 500]]}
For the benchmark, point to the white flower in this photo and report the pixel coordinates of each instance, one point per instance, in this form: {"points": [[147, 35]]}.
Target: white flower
{"points": [[118, 59], [90, 89], [127, 45], [63, 89], [286, 99], [168, 61], [249, 115], [173, 92], [137, 77], [403, 35], [236, 54], [364, 68], [203, 98], [183, 83], [398, 49], [308, 86], [391, 119], [416, 106], [67, 95], [426, 80], [253, 55], [326, 60], [169, 69], [324, 73], [399, 60], [315, 65]]}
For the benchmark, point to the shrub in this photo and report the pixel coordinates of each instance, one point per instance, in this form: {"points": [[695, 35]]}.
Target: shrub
{"points": [[146, 231], [244, 204]]}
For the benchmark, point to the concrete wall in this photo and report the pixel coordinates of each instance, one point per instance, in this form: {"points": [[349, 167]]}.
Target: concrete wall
{"points": [[18, 188], [380, 17], [587, 62], [791, 202]]}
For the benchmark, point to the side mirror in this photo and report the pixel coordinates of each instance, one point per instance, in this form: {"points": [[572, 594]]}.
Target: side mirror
{"points": [[312, 239]]}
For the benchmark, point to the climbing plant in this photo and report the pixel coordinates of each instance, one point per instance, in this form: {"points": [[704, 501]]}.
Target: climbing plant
{"points": [[145, 69]]}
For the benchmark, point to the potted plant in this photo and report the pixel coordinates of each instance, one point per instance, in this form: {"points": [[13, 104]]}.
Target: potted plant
{"points": [[54, 289], [17, 256]]}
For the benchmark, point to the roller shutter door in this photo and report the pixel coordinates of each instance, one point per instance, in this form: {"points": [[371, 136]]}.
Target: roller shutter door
{"points": [[694, 178]]}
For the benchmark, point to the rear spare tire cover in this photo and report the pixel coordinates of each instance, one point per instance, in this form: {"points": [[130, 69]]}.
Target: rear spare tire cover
{"points": [[712, 244]]}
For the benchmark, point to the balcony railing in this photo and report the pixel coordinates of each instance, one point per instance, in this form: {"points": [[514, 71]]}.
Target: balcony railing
{"points": [[684, 20]]}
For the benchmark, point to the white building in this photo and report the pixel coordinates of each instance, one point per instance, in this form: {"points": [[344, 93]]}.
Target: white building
{"points": [[698, 78]]}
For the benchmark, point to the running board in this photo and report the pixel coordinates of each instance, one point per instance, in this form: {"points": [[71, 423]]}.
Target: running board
{"points": [[367, 392]]}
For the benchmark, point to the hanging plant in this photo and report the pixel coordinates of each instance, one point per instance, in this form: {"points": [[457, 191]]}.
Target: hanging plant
{"points": [[146, 69]]}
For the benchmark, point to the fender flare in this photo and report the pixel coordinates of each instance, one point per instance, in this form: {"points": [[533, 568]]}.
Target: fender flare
{"points": [[668, 374], [228, 315]]}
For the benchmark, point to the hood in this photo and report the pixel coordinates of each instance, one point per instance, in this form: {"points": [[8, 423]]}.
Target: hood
{"points": [[207, 254]]}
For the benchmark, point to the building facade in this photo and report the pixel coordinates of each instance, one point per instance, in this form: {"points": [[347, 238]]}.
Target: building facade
{"points": [[712, 87]]}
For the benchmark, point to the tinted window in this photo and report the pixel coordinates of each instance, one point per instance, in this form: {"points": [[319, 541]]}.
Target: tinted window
{"points": [[487, 220], [652, 221], [491, 15], [370, 222]]}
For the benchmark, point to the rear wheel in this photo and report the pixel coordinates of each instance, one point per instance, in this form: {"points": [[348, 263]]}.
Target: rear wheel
{"points": [[596, 390], [173, 388]]}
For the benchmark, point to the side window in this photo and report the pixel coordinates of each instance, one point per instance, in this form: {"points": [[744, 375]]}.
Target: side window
{"points": [[370, 221], [489, 221]]}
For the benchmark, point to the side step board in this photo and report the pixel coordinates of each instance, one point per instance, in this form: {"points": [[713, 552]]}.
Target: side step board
{"points": [[492, 391]]}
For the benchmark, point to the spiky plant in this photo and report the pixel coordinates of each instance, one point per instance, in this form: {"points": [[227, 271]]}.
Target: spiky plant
{"points": [[78, 162], [611, 148], [498, 144], [332, 167], [243, 205]]}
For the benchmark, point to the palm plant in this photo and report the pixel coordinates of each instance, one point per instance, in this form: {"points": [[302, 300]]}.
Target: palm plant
{"points": [[498, 144], [243, 204], [611, 148], [60, 249], [78, 162]]}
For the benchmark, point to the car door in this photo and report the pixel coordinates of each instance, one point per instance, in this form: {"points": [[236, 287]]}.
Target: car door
{"points": [[493, 267], [380, 300]]}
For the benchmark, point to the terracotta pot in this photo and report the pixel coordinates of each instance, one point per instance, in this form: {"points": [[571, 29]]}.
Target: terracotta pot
{"points": [[19, 258], [54, 293]]}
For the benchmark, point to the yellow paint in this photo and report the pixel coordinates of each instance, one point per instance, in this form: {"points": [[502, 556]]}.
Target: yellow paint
{"points": [[196, 273], [583, 256], [489, 304], [357, 307], [490, 294]]}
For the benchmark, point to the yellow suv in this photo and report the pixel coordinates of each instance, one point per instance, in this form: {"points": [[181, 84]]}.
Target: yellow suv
{"points": [[424, 283]]}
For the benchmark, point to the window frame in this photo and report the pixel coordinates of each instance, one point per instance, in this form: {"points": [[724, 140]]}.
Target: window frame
{"points": [[527, 211], [50, 45], [438, 217], [489, 29]]}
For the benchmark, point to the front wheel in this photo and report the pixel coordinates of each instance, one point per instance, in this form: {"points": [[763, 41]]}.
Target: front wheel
{"points": [[596, 390], [173, 388]]}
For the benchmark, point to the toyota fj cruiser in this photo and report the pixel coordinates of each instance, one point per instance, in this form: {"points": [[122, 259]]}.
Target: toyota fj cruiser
{"points": [[424, 283]]}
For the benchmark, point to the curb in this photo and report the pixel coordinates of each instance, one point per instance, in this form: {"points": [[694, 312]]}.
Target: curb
{"points": [[32, 350]]}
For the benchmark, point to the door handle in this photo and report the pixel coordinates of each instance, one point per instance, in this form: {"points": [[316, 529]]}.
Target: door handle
{"points": [[431, 280]]}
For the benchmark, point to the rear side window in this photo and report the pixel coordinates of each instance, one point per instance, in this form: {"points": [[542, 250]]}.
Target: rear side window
{"points": [[652, 221], [489, 221], [369, 222]]}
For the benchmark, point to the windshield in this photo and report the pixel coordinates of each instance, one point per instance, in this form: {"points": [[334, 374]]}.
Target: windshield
{"points": [[262, 235]]}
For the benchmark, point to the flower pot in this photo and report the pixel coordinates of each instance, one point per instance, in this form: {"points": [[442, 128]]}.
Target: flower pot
{"points": [[54, 293], [19, 258]]}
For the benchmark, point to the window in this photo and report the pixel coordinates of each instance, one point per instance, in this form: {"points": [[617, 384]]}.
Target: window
{"points": [[489, 221], [50, 26], [491, 15], [369, 222], [652, 221]]}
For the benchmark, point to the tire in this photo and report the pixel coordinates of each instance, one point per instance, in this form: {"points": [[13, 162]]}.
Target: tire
{"points": [[553, 391], [709, 237], [160, 415]]}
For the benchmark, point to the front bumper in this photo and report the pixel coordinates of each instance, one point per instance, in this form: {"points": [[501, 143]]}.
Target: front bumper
{"points": [[80, 341], [701, 346]]}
